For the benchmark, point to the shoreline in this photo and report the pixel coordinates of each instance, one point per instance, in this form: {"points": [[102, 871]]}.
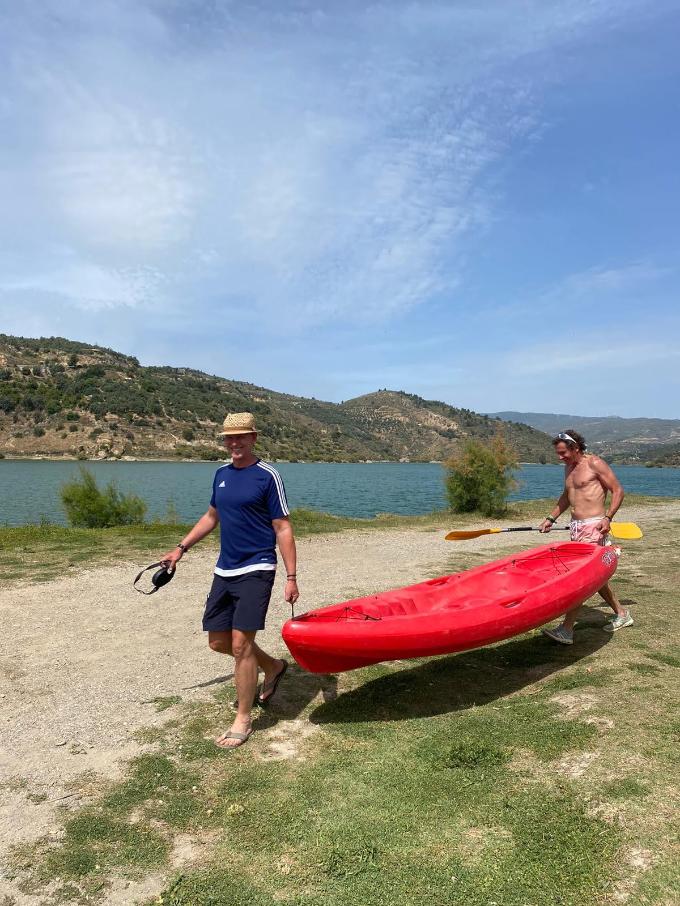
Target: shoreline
{"points": [[44, 457], [315, 521], [39, 457]]}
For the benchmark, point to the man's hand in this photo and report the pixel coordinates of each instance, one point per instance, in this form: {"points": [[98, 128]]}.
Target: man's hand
{"points": [[545, 526], [604, 527], [291, 593], [172, 559]]}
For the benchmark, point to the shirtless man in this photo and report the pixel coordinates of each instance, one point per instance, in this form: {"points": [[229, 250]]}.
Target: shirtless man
{"points": [[587, 479]]}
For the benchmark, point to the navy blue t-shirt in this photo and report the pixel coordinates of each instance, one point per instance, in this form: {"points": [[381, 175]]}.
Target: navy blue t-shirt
{"points": [[247, 500]]}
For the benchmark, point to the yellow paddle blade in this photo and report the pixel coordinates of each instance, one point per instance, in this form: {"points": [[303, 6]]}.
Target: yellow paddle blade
{"points": [[628, 530], [464, 536]]}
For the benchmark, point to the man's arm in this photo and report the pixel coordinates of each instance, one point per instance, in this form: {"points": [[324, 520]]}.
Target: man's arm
{"points": [[203, 527], [286, 543], [610, 483], [555, 513]]}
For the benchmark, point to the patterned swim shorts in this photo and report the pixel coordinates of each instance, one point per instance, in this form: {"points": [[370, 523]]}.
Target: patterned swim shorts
{"points": [[585, 530]]}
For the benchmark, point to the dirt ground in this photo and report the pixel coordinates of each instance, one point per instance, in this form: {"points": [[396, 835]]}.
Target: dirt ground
{"points": [[83, 658]]}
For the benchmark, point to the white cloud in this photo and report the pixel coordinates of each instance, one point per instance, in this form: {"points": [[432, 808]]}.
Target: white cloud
{"points": [[597, 281], [591, 357], [325, 163], [72, 282]]}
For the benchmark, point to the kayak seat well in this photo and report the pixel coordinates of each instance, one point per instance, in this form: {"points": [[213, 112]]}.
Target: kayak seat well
{"points": [[403, 607]]}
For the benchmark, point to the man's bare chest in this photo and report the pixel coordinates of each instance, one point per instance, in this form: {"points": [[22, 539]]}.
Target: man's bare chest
{"points": [[581, 478]]}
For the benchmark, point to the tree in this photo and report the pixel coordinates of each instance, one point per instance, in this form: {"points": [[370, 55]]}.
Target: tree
{"points": [[480, 476], [89, 507]]}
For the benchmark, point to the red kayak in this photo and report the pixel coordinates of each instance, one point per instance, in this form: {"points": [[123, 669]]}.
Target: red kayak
{"points": [[454, 613]]}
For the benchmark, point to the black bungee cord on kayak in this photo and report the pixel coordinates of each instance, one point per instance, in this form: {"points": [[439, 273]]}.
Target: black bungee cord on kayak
{"points": [[160, 578], [351, 613]]}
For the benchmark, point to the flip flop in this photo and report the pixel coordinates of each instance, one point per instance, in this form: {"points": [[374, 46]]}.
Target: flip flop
{"points": [[232, 734], [271, 687]]}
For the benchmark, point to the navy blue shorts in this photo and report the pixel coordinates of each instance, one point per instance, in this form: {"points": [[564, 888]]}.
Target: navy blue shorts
{"points": [[238, 602]]}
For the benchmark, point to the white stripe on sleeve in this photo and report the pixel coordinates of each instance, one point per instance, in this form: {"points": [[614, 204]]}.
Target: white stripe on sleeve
{"points": [[279, 486]]}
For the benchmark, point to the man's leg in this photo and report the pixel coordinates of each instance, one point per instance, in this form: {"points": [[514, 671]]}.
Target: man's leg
{"points": [[270, 666], [570, 618], [252, 601], [622, 617], [608, 595], [220, 641], [564, 633], [245, 670]]}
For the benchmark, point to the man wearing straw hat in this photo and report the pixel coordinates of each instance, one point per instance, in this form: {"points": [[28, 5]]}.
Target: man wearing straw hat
{"points": [[249, 504]]}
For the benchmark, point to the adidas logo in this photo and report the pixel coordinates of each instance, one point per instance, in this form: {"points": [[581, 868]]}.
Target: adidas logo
{"points": [[221, 485]]}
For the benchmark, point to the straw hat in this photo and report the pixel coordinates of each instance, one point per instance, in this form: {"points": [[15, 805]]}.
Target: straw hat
{"points": [[239, 423]]}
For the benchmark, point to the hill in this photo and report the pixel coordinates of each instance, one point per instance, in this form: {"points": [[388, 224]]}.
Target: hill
{"points": [[652, 455], [630, 439], [59, 397]]}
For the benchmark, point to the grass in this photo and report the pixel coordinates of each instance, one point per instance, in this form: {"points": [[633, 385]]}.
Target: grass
{"points": [[38, 553], [435, 781], [582, 678], [439, 782], [625, 788], [163, 702], [670, 660]]}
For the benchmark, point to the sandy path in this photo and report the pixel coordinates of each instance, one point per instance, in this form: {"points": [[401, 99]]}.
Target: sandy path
{"points": [[81, 658]]}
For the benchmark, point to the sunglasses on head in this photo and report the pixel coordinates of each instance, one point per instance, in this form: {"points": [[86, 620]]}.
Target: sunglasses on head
{"points": [[563, 436]]}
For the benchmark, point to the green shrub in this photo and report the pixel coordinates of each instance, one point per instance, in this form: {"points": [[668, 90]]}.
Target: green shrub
{"points": [[479, 477], [87, 506]]}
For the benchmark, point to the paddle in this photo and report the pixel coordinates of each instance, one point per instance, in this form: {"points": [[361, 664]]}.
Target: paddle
{"points": [[628, 530]]}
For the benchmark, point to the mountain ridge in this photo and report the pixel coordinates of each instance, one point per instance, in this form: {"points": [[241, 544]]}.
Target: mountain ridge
{"points": [[635, 439], [64, 398]]}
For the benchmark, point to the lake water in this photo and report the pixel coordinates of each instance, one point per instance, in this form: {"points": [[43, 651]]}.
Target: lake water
{"points": [[29, 489]]}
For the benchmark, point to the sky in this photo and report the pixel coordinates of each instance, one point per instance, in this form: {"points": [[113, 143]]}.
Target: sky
{"points": [[475, 202]]}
